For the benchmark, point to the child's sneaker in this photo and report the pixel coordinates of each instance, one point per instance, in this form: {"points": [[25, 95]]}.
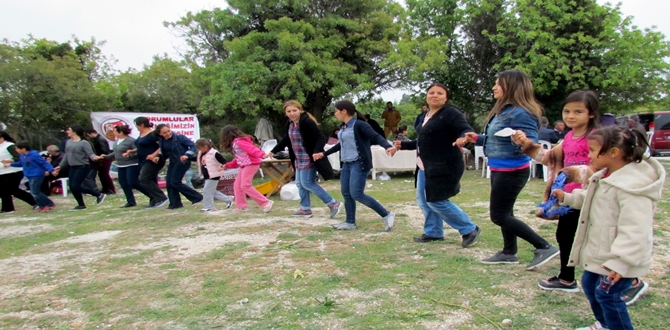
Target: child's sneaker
{"points": [[594, 326], [229, 204], [555, 283], [632, 294], [268, 206], [302, 213]]}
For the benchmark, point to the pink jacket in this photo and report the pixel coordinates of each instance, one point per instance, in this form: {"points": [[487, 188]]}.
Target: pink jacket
{"points": [[246, 153]]}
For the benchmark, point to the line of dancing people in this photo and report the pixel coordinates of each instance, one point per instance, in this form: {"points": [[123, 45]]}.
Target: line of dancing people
{"points": [[595, 171]]}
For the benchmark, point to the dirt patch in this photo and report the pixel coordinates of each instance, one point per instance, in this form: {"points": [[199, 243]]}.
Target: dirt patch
{"points": [[90, 238], [24, 230], [189, 246], [19, 219]]}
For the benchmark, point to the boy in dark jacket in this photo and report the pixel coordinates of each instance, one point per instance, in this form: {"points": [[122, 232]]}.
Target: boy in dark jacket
{"points": [[35, 167]]}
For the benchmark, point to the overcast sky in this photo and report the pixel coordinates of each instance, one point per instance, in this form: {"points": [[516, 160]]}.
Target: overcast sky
{"points": [[134, 32]]}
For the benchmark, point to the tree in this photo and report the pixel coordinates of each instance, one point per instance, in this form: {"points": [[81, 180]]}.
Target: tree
{"points": [[263, 52], [165, 86], [43, 88], [569, 45]]}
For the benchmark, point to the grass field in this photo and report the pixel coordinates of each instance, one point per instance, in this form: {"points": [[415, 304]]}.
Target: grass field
{"points": [[107, 267]]}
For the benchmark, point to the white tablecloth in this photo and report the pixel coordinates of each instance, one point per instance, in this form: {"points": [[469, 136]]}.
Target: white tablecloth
{"points": [[403, 160]]}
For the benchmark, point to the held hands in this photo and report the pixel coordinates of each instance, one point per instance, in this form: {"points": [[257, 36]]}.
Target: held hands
{"points": [[317, 155], [397, 144], [183, 158], [469, 137], [153, 159], [268, 155], [7, 161], [391, 151], [126, 154], [560, 194]]}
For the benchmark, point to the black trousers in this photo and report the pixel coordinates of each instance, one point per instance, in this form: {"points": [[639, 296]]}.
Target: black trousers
{"points": [[149, 180], [505, 188], [565, 236], [9, 188], [76, 180]]}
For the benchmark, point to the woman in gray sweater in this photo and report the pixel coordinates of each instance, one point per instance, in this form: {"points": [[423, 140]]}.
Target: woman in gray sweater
{"points": [[128, 164], [78, 154]]}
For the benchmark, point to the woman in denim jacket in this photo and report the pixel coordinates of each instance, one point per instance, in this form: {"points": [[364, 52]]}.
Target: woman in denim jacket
{"points": [[178, 149], [516, 108]]}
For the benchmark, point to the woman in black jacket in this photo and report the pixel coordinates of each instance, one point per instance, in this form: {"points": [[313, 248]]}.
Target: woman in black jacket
{"points": [[355, 138], [303, 138], [441, 167]]}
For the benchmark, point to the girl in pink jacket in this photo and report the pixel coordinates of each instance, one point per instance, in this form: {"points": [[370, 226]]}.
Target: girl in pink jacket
{"points": [[248, 159]]}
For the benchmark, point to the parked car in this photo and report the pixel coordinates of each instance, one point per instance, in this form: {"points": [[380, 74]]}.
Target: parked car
{"points": [[660, 139]]}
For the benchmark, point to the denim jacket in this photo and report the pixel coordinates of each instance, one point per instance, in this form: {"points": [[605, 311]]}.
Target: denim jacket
{"points": [[181, 145], [514, 117]]}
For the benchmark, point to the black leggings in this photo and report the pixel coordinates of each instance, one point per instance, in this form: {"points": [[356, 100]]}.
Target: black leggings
{"points": [[565, 236], [9, 186], [505, 187]]}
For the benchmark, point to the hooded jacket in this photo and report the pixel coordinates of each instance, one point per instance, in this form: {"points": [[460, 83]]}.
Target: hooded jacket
{"points": [[34, 165], [246, 153], [616, 222]]}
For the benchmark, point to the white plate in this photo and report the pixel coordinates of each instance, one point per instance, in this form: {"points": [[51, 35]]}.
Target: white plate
{"points": [[505, 132]]}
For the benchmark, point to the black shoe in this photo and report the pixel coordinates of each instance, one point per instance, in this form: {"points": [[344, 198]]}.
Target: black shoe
{"points": [[100, 199], [161, 203], [501, 258], [78, 207], [128, 205], [555, 283], [150, 206], [471, 238], [174, 207], [425, 239]]}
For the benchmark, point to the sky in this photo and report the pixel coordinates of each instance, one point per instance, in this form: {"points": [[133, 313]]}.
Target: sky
{"points": [[134, 31]]}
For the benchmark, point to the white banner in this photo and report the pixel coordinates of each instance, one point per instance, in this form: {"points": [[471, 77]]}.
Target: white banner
{"points": [[104, 123]]}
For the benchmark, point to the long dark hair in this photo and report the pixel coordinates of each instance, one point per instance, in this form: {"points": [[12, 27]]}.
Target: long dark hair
{"points": [[517, 90], [7, 137], [144, 121], [350, 108], [590, 100], [158, 129], [228, 134]]}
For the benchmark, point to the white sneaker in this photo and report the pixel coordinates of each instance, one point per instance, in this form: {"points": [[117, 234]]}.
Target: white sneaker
{"points": [[388, 221], [594, 326], [268, 206]]}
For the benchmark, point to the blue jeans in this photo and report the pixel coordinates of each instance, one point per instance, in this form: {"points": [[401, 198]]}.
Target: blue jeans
{"points": [[76, 182], [607, 306], [129, 179], [175, 174], [306, 182], [40, 198], [438, 212], [352, 182]]}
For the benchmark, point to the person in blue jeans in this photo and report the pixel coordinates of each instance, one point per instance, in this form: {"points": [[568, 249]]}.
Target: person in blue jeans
{"points": [[127, 163], [355, 138], [515, 108], [178, 149], [35, 167], [304, 138], [441, 167]]}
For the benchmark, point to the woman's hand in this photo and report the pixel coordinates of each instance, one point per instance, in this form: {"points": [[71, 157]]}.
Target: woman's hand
{"points": [[223, 167], [391, 151], [397, 144], [560, 194], [183, 158], [469, 137], [613, 276], [126, 154], [268, 155], [317, 155], [153, 159], [519, 138]]}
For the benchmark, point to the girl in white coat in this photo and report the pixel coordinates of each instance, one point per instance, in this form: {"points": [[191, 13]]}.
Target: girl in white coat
{"points": [[210, 162], [615, 233]]}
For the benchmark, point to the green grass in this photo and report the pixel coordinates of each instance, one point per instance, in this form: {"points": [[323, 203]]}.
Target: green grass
{"points": [[183, 269]]}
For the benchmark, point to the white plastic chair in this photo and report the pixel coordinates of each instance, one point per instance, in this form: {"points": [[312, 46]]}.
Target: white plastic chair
{"points": [[267, 147], [479, 153], [545, 170], [63, 184]]}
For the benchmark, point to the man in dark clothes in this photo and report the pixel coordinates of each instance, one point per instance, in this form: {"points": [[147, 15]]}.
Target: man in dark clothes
{"points": [[421, 116], [559, 128], [546, 133], [55, 156], [101, 167], [375, 125]]}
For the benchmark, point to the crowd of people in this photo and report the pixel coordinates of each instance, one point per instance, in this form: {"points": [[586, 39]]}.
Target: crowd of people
{"points": [[603, 187]]}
